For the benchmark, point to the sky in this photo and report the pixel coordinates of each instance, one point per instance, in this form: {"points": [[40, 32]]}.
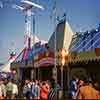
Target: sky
{"points": [[82, 15]]}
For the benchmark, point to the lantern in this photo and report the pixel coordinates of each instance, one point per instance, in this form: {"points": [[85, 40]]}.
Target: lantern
{"points": [[62, 53]]}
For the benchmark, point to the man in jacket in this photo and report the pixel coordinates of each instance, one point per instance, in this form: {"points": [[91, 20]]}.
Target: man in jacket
{"points": [[85, 90]]}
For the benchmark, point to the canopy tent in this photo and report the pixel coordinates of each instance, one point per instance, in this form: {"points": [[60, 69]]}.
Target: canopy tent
{"points": [[5, 68], [35, 39], [34, 51], [39, 55], [29, 53]]}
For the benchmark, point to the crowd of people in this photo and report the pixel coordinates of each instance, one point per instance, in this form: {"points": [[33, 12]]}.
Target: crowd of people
{"points": [[36, 89], [83, 87], [8, 89], [31, 89]]}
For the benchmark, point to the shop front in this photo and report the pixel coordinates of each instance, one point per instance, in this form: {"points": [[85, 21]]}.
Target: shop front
{"points": [[86, 63]]}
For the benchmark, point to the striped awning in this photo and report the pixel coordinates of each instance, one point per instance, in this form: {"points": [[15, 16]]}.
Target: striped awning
{"points": [[83, 57], [44, 59]]}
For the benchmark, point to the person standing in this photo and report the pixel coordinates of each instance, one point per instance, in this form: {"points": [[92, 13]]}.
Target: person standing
{"points": [[27, 89], [44, 92], [85, 90], [15, 90], [36, 90], [9, 89], [96, 85], [2, 89], [32, 83], [73, 86]]}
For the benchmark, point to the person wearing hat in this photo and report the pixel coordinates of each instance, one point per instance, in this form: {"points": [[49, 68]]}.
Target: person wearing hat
{"points": [[85, 90]]}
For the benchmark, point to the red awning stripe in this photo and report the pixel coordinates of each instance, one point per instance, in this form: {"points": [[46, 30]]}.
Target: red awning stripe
{"points": [[47, 60]]}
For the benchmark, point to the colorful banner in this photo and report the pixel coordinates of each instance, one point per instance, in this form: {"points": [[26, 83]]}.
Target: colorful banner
{"points": [[44, 59]]}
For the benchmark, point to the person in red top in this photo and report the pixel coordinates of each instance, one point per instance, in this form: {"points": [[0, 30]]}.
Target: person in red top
{"points": [[44, 91]]}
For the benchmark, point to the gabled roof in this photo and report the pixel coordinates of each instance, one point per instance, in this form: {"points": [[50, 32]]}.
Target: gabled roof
{"points": [[63, 36]]}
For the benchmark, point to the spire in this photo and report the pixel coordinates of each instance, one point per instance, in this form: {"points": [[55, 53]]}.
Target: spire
{"points": [[63, 35]]}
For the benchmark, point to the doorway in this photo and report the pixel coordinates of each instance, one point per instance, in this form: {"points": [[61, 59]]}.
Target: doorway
{"points": [[26, 73], [45, 73]]}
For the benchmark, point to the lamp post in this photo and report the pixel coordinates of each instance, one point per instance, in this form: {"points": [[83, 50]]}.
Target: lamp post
{"points": [[62, 59]]}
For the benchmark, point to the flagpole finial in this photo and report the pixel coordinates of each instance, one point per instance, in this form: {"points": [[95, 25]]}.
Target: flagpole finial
{"points": [[64, 15]]}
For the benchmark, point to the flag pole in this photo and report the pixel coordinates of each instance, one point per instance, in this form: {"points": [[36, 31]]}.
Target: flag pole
{"points": [[55, 49], [54, 70]]}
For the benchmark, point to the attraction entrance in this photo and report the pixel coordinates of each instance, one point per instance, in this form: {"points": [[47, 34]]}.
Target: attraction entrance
{"points": [[44, 73], [43, 64], [91, 68], [26, 73]]}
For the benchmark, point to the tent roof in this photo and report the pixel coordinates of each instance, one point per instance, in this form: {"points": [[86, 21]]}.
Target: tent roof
{"points": [[5, 68], [28, 54]]}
